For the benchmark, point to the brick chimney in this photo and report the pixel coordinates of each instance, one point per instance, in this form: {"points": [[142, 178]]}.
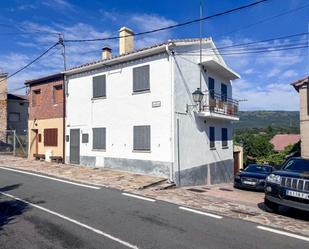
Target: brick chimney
{"points": [[106, 53], [126, 40]]}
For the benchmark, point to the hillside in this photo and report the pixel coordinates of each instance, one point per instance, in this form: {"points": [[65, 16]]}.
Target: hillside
{"points": [[281, 121]]}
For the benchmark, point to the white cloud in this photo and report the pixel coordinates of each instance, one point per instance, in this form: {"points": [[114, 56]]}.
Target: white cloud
{"points": [[270, 97], [59, 5], [289, 74], [145, 22], [274, 72]]}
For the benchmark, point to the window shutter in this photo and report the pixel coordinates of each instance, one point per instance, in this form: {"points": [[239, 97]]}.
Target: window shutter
{"points": [[223, 92], [51, 137], [211, 87], [141, 138], [212, 137], [99, 138], [224, 137], [141, 78], [99, 86]]}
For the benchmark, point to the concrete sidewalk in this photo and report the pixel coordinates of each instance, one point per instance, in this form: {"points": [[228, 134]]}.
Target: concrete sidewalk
{"points": [[219, 199]]}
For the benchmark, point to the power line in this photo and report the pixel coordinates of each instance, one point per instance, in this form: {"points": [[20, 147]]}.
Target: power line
{"points": [[31, 62], [172, 26], [249, 52], [266, 19]]}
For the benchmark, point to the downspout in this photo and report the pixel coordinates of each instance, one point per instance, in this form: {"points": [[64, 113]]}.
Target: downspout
{"points": [[172, 112]]}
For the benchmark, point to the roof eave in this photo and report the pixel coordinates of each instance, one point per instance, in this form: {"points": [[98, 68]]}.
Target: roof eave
{"points": [[116, 60]]}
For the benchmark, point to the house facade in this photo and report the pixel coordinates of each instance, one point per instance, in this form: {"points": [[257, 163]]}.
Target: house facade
{"points": [[302, 87], [135, 112], [17, 110], [3, 106], [46, 119]]}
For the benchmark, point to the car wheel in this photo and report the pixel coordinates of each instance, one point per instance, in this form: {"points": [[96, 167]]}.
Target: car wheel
{"points": [[271, 206]]}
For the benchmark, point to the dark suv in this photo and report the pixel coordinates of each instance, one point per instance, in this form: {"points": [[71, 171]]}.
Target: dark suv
{"points": [[288, 186]]}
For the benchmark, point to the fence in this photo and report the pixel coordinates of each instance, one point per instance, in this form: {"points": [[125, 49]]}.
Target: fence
{"points": [[13, 144]]}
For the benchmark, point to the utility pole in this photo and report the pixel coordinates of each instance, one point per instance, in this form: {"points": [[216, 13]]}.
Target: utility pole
{"points": [[201, 34], [63, 53]]}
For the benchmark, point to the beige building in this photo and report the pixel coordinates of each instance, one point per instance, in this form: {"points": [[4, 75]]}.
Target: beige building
{"points": [[302, 87]]}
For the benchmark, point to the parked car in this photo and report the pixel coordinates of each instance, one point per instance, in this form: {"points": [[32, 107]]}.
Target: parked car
{"points": [[288, 186], [252, 177]]}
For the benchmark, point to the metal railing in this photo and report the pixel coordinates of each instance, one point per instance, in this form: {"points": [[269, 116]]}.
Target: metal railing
{"points": [[218, 103]]}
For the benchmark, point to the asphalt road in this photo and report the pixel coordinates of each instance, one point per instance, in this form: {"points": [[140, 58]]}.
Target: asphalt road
{"points": [[40, 213]]}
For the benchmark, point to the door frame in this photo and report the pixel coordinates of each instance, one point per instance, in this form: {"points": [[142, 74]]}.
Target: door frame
{"points": [[78, 160]]}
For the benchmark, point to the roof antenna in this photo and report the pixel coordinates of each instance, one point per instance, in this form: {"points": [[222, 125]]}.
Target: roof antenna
{"points": [[201, 16]]}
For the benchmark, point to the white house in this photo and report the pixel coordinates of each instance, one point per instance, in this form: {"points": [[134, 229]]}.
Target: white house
{"points": [[135, 112]]}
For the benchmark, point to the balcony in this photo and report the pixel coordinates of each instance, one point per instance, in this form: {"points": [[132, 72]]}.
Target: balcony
{"points": [[218, 106]]}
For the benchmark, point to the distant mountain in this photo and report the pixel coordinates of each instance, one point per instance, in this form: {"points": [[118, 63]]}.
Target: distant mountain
{"points": [[281, 121]]}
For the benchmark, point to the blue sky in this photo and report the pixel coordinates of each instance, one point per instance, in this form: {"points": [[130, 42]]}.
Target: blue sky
{"points": [[265, 77]]}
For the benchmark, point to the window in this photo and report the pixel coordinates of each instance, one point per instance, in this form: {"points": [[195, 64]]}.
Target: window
{"points": [[211, 87], [141, 138], [51, 137], [58, 94], [36, 97], [99, 138], [212, 137], [223, 92], [85, 138], [224, 137], [99, 86], [141, 79], [14, 117]]}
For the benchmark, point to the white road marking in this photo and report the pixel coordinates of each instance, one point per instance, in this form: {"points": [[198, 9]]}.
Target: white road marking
{"points": [[73, 221], [200, 212], [139, 197], [284, 233], [50, 178]]}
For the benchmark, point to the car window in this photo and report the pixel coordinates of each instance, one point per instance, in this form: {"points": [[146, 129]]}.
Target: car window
{"points": [[296, 165], [258, 169]]}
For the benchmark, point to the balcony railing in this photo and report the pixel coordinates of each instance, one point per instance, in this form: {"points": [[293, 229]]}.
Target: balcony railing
{"points": [[219, 104]]}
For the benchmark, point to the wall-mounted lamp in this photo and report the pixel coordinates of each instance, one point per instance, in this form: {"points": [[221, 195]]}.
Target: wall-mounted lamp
{"points": [[197, 97]]}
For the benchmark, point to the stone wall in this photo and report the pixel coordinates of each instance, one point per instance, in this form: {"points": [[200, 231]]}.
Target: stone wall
{"points": [[3, 106]]}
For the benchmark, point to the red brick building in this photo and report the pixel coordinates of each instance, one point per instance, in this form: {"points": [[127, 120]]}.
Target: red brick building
{"points": [[46, 116]]}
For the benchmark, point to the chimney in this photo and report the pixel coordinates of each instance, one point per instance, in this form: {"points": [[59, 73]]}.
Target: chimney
{"points": [[106, 53], [126, 40]]}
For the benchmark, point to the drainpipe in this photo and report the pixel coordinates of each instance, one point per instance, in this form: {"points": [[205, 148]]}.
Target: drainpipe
{"points": [[172, 117]]}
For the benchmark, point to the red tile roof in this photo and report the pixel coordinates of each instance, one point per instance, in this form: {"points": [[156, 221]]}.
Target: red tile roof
{"points": [[280, 141]]}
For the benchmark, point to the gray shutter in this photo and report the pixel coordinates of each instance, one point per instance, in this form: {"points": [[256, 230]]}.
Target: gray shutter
{"points": [[141, 136], [99, 138], [212, 137], [99, 86], [141, 78], [224, 137]]}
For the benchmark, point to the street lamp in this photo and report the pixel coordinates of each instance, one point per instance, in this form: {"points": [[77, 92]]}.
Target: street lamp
{"points": [[197, 96]]}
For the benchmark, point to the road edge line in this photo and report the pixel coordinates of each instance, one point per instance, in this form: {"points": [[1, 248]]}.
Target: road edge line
{"points": [[139, 197], [50, 178], [201, 212], [72, 221], [292, 235]]}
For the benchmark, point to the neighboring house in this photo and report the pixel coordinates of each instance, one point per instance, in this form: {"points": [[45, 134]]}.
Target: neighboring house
{"points": [[281, 141], [302, 87], [17, 109], [3, 106], [46, 122], [135, 111]]}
